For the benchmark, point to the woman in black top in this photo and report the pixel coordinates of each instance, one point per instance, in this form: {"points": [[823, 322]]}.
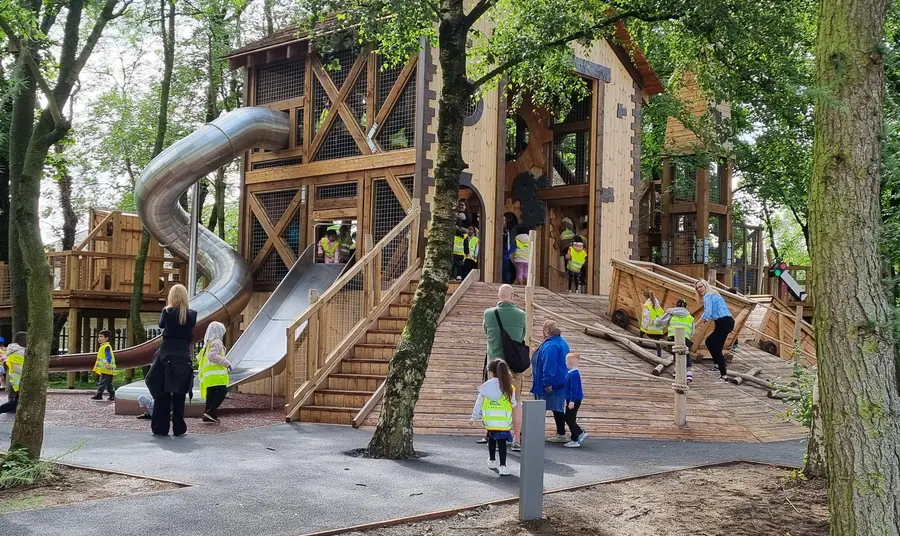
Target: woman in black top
{"points": [[171, 376]]}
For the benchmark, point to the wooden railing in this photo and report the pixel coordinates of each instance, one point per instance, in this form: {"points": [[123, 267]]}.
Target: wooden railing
{"points": [[320, 337], [107, 273]]}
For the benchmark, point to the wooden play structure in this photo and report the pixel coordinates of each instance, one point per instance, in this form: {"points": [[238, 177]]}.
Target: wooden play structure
{"points": [[686, 215], [774, 327], [626, 298], [93, 282]]}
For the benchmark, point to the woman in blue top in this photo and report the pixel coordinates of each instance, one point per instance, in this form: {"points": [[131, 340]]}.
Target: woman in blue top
{"points": [[549, 372], [716, 310]]}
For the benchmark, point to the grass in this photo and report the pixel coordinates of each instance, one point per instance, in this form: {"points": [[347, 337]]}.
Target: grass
{"points": [[16, 469], [14, 505]]}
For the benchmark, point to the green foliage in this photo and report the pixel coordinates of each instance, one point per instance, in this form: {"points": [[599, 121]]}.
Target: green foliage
{"points": [[17, 469], [803, 379]]}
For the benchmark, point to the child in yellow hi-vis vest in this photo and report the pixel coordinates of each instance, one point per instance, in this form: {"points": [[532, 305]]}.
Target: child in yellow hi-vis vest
{"points": [[105, 367], [494, 405], [213, 371], [576, 258]]}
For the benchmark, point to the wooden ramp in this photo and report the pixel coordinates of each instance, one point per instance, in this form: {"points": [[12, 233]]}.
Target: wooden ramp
{"points": [[772, 326], [617, 404]]}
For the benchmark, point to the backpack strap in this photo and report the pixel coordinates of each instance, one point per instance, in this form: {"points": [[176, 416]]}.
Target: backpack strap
{"points": [[499, 322]]}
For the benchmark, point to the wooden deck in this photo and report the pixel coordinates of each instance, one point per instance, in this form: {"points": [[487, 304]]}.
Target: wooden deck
{"points": [[617, 404]]}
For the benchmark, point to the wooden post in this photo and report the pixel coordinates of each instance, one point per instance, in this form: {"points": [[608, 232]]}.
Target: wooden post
{"points": [[312, 337], [529, 289], [798, 324], [74, 343], [711, 277], [680, 379], [369, 277]]}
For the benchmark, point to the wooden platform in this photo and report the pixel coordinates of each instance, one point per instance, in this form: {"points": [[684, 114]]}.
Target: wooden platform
{"points": [[617, 404]]}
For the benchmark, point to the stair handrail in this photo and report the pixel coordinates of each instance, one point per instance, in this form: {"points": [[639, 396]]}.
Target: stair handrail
{"points": [[414, 212]]}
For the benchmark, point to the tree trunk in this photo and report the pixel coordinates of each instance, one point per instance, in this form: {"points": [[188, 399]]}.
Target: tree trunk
{"points": [[770, 229], [20, 130], [167, 29], [268, 8], [814, 462], [70, 225], [5, 113], [59, 322], [393, 437], [217, 216], [854, 317]]}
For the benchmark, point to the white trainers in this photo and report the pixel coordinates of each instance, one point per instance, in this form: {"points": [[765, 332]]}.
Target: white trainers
{"points": [[582, 437], [558, 439], [492, 464], [572, 444], [503, 471]]}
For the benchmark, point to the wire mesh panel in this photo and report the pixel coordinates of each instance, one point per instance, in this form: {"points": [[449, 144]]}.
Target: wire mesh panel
{"points": [[357, 103], [386, 78], [408, 184], [571, 158], [272, 270], [336, 191], [280, 80], [399, 129], [387, 210], [321, 106], [299, 113], [578, 109], [291, 234], [684, 183], [738, 235], [258, 236], [338, 64], [684, 236], [716, 180], [280, 162], [338, 142], [275, 203], [716, 241]]}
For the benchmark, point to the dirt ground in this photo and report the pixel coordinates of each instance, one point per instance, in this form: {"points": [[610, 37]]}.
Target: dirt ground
{"points": [[238, 412], [735, 500], [73, 485]]}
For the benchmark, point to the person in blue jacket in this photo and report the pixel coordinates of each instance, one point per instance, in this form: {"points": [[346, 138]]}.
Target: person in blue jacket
{"points": [[549, 373]]}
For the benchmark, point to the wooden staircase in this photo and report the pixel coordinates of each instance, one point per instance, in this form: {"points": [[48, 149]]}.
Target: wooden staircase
{"points": [[364, 368]]}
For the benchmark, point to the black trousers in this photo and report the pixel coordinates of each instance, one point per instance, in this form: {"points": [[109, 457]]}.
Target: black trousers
{"points": [[10, 405], [716, 341], [168, 408], [687, 342], [105, 382], [655, 337], [571, 416], [493, 446], [214, 398], [560, 418]]}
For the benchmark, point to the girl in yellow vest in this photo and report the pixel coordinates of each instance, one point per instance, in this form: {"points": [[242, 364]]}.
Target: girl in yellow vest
{"points": [[459, 254], [521, 255], [679, 317], [15, 362], [213, 371], [330, 248], [105, 367], [649, 313], [494, 406], [575, 259]]}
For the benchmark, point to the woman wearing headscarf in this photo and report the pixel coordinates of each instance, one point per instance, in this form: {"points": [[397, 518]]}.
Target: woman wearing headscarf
{"points": [[549, 371], [715, 310], [213, 370], [171, 376]]}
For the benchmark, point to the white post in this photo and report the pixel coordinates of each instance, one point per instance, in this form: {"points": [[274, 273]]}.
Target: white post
{"points": [[195, 229], [680, 378]]}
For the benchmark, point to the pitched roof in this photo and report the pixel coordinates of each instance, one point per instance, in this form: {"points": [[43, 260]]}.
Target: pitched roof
{"points": [[646, 76], [280, 37]]}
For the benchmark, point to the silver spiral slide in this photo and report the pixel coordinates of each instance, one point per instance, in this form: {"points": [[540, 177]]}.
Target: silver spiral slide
{"points": [[157, 195]]}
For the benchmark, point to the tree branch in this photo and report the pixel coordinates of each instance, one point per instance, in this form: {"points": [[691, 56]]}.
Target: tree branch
{"points": [[32, 65], [584, 33], [478, 11]]}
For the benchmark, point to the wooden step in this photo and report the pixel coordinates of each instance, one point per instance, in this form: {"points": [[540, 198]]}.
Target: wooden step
{"points": [[328, 414], [401, 311], [391, 323], [341, 398], [354, 382], [376, 336], [374, 351], [371, 367], [406, 297]]}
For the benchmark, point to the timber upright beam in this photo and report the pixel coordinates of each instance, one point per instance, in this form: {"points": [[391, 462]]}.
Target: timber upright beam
{"points": [[529, 289], [74, 343], [680, 378]]}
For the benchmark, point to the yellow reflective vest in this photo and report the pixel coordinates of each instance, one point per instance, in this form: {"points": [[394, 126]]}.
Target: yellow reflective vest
{"points": [[459, 247], [567, 234], [473, 248], [655, 312], [101, 366], [329, 247], [211, 375], [684, 321], [576, 260], [497, 414], [522, 252], [14, 364]]}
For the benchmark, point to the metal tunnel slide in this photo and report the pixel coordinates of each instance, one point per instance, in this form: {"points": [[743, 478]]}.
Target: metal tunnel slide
{"points": [[157, 195]]}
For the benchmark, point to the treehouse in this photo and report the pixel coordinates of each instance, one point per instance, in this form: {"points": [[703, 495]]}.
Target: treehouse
{"points": [[93, 282], [686, 215]]}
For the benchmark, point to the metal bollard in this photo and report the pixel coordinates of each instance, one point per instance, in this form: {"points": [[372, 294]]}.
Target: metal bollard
{"points": [[531, 470]]}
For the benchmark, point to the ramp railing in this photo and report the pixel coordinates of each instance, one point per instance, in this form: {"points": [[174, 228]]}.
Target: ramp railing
{"points": [[334, 321]]}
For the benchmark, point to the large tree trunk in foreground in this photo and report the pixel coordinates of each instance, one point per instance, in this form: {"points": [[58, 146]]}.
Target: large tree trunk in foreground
{"points": [[167, 29], [854, 317], [393, 437]]}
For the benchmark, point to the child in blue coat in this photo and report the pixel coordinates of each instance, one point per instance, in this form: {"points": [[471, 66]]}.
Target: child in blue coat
{"points": [[574, 397]]}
